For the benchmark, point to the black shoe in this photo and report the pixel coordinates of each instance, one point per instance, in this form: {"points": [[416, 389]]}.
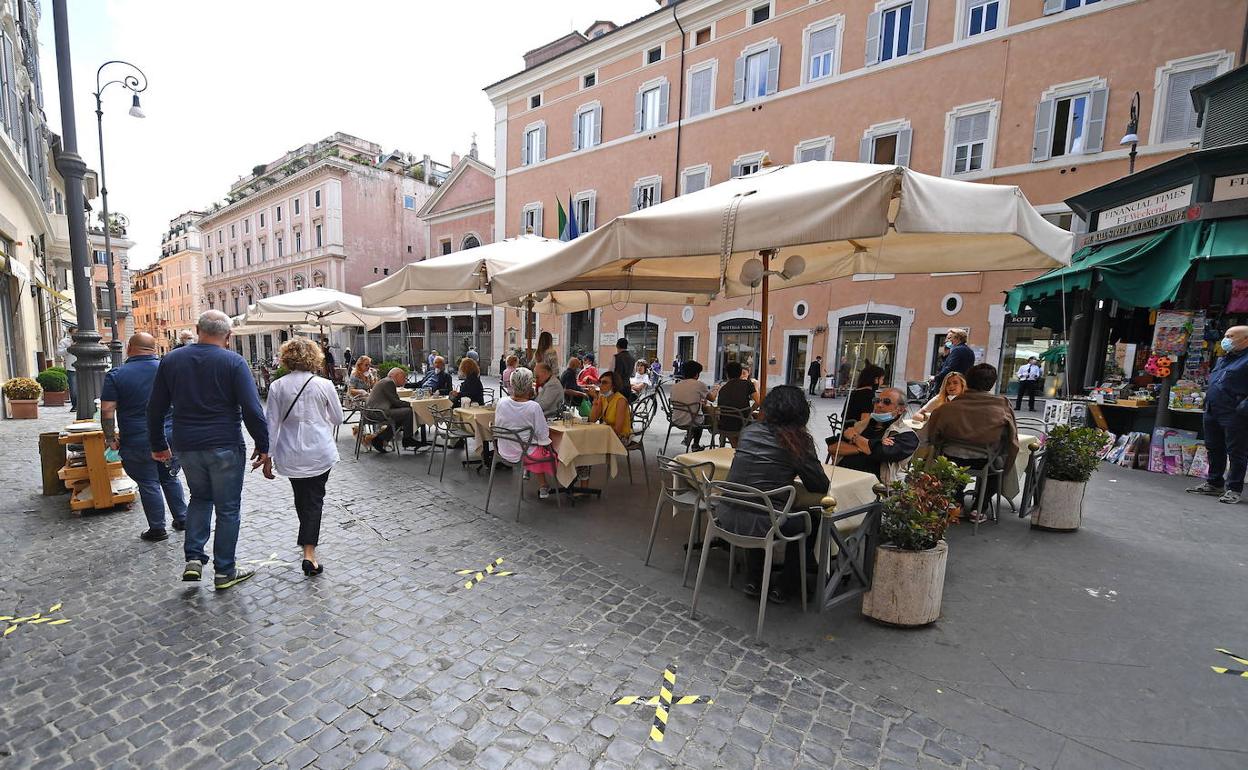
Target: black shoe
{"points": [[410, 443], [777, 596], [154, 535], [179, 526], [753, 591], [379, 445], [310, 570]]}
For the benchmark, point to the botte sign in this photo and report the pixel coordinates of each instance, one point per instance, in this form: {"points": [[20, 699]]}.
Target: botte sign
{"points": [[1170, 200]]}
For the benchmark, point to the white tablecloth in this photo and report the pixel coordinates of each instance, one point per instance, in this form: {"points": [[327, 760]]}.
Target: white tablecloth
{"points": [[584, 444]]}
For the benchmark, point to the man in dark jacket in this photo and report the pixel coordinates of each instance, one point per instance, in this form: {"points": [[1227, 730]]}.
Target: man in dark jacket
{"points": [[1226, 420], [960, 358], [385, 396], [624, 366], [815, 372], [437, 380]]}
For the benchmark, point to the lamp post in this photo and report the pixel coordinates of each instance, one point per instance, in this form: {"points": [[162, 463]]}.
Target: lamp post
{"points": [[1132, 137], [136, 82]]}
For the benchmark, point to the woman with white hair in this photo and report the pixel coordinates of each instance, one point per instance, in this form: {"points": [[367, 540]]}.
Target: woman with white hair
{"points": [[519, 412]]}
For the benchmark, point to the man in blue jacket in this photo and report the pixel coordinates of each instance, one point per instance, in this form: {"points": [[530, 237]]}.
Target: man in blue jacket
{"points": [[1226, 420], [960, 357], [210, 389]]}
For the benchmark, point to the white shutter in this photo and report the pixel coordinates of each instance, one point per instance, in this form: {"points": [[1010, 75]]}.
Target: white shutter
{"points": [[873, 38], [1053, 6], [971, 128], [576, 131], [822, 41], [738, 80], [818, 152], [1180, 116], [657, 197], [636, 197], [736, 170], [1043, 136], [903, 147], [637, 117], [598, 125], [864, 150], [773, 68], [699, 85], [918, 25], [541, 136], [1094, 136], [664, 94], [537, 221], [523, 222], [524, 149]]}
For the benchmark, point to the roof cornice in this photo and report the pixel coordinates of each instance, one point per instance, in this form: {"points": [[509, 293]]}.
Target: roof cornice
{"points": [[332, 164], [464, 163]]}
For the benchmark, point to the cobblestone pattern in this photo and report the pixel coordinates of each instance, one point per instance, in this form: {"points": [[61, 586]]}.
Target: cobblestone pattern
{"points": [[385, 660]]}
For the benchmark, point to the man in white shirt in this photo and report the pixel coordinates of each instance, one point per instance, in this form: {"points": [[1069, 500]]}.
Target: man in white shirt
{"points": [[62, 350], [1030, 375]]}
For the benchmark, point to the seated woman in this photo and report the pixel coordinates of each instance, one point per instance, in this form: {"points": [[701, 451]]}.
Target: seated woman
{"points": [[362, 378], [611, 407], [641, 382], [470, 384], [858, 406], [519, 411], [504, 380], [770, 454], [883, 446], [953, 386], [588, 376]]}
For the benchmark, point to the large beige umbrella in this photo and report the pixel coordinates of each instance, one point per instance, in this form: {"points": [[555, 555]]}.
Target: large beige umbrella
{"points": [[319, 306], [817, 221]]}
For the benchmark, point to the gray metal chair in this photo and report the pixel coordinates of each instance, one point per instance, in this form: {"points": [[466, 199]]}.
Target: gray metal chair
{"points": [[488, 394], [691, 413], [523, 438], [684, 487], [447, 430], [379, 418], [993, 468], [1033, 480], [351, 406], [760, 502], [643, 415], [736, 419]]}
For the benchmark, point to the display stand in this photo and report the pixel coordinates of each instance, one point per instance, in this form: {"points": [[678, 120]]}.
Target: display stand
{"points": [[97, 475]]}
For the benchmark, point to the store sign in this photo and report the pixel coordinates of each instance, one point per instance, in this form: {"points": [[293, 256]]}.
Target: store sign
{"points": [[739, 325], [871, 321], [1138, 227], [1026, 318], [1226, 188], [1170, 200]]}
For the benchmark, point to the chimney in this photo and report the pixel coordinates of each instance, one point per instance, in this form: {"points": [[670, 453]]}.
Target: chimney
{"points": [[454, 159]]}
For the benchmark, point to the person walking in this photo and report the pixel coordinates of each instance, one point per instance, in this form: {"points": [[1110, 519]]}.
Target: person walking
{"points": [[624, 366], [1030, 375], [815, 372], [184, 338], [209, 387], [68, 359], [328, 366], [123, 404], [302, 411], [960, 357], [1226, 420]]}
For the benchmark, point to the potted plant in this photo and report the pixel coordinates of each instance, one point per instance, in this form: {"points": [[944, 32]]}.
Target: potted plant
{"points": [[909, 577], [1070, 458], [55, 384], [23, 395]]}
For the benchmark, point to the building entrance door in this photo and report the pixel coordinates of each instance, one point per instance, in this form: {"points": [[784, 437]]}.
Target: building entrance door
{"points": [[796, 372], [869, 339], [581, 333], [737, 340]]}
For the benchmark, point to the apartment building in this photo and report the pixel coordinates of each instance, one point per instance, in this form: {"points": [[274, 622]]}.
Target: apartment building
{"points": [[145, 304], [121, 294], [338, 213], [182, 265], [1035, 93]]}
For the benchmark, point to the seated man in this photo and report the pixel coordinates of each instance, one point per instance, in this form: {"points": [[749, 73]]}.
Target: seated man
{"points": [[438, 380], [883, 445], [549, 390], [737, 392], [688, 397], [385, 396], [978, 419]]}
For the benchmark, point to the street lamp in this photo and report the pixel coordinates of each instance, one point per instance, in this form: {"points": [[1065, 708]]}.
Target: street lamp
{"points": [[1132, 137], [134, 81]]}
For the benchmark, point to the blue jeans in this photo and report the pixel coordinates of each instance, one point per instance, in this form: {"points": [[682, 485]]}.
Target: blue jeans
{"points": [[215, 477], [157, 484], [72, 376]]}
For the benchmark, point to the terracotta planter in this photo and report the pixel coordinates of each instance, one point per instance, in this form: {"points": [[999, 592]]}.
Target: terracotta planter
{"points": [[24, 409], [55, 397], [907, 586], [1061, 506]]}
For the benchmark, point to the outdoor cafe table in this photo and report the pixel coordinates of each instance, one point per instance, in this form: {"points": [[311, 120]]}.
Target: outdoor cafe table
{"points": [[849, 488], [422, 408], [481, 418], [584, 443], [1011, 483]]}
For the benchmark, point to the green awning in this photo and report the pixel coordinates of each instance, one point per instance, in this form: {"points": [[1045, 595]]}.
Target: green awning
{"points": [[1225, 250]]}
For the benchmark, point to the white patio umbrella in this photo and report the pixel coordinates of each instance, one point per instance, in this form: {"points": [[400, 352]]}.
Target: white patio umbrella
{"points": [[320, 307], [240, 328], [819, 220]]}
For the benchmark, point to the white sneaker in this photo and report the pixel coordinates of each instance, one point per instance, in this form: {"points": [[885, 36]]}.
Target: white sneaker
{"points": [[543, 493]]}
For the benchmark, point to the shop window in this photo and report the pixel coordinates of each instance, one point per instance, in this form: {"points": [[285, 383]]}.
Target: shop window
{"points": [[643, 339], [737, 339]]}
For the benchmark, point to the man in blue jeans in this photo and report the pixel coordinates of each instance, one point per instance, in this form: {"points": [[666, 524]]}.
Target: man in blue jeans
{"points": [[123, 404], [210, 389], [1226, 420]]}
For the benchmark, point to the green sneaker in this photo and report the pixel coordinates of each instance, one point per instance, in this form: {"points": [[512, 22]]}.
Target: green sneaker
{"points": [[232, 579], [192, 572]]}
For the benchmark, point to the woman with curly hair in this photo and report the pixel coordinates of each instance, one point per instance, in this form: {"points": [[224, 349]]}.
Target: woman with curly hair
{"points": [[362, 379], [302, 412], [771, 453]]}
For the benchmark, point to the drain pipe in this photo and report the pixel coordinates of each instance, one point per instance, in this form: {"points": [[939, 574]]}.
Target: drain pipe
{"points": [[680, 99]]}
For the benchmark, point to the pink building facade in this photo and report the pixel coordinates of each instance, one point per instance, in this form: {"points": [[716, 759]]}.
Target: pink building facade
{"points": [[1022, 92]]}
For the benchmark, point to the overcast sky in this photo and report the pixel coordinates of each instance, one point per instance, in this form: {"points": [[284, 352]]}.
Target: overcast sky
{"points": [[236, 83]]}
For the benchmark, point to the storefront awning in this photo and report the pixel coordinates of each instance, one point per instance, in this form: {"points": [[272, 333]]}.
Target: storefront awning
{"points": [[1142, 272], [1225, 250]]}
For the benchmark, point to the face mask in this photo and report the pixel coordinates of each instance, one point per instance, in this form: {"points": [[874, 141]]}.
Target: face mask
{"points": [[1227, 345], [883, 416], [948, 343]]}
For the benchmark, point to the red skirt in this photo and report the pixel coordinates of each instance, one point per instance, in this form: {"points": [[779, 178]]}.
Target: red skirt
{"points": [[540, 459]]}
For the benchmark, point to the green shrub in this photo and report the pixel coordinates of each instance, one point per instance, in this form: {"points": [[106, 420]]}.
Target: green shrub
{"points": [[921, 507], [280, 371], [53, 380], [22, 389], [1071, 453], [384, 367]]}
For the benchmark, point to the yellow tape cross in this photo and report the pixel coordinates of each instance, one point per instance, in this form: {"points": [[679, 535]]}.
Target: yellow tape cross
{"points": [[1231, 671], [479, 575], [663, 702], [34, 620]]}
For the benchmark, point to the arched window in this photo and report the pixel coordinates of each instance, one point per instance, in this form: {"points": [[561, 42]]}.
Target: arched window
{"points": [[263, 287], [279, 285], [471, 242], [297, 283]]}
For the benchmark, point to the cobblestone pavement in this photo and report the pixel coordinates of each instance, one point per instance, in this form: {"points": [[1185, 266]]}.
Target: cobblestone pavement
{"points": [[386, 660]]}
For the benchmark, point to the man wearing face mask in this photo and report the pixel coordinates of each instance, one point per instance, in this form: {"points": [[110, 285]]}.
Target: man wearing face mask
{"points": [[1226, 420], [960, 357], [885, 444]]}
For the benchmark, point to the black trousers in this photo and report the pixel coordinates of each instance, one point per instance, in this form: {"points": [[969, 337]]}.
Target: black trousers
{"points": [[1226, 439], [1028, 387], [309, 500], [814, 384]]}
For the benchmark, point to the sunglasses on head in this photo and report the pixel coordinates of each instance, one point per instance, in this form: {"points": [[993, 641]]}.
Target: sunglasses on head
{"points": [[884, 401]]}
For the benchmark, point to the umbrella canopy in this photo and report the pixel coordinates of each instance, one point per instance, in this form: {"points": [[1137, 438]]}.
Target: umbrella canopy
{"points": [[464, 276], [832, 214], [240, 328], [320, 307]]}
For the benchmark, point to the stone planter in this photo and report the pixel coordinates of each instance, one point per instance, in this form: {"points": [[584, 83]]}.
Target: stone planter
{"points": [[55, 397], [23, 409], [1061, 506], [907, 586]]}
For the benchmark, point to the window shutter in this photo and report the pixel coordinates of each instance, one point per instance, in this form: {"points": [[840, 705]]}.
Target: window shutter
{"points": [[537, 221], [1043, 137], [523, 217], [1095, 139], [773, 68], [658, 193], [1180, 115], [864, 150], [1053, 6], [738, 81], [636, 198], [524, 149], [918, 25], [903, 147], [664, 94], [873, 38], [541, 136], [576, 130], [736, 170], [637, 102], [598, 125]]}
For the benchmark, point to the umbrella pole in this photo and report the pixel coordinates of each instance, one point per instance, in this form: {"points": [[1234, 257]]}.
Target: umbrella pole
{"points": [[764, 332], [528, 328], [474, 328], [645, 334]]}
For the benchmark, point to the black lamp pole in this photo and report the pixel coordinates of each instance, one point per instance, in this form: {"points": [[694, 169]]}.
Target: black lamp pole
{"points": [[134, 81], [87, 348]]}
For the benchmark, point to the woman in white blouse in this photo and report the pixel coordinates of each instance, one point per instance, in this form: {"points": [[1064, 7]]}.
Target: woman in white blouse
{"points": [[302, 411], [519, 412]]}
